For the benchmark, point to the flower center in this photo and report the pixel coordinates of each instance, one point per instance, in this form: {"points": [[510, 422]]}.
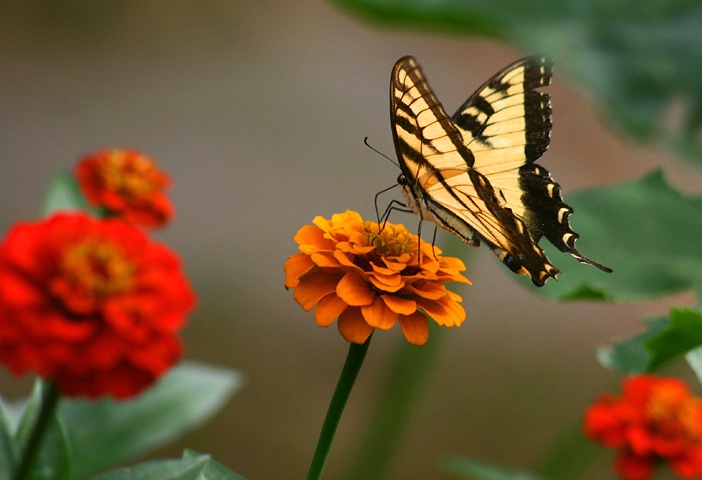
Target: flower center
{"points": [[130, 175], [674, 410], [91, 270], [392, 241]]}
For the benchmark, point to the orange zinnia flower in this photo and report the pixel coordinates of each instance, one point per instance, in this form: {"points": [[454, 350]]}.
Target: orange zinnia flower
{"points": [[372, 279], [126, 184]]}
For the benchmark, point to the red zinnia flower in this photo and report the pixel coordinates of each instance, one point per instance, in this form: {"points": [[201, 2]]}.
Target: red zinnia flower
{"points": [[91, 304], [127, 184], [370, 279], [654, 420]]}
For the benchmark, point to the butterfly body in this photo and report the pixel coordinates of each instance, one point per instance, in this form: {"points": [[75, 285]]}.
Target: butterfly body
{"points": [[473, 174]]}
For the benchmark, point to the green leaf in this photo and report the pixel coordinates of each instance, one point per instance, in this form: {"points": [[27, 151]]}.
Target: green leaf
{"points": [[480, 470], [53, 460], [191, 467], [8, 447], [646, 231], [214, 470], [682, 335], [108, 432], [694, 359], [630, 355], [639, 61], [664, 340], [63, 194]]}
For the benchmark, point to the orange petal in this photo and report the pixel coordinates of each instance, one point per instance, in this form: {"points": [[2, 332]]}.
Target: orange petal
{"points": [[378, 315], [358, 238], [391, 283], [444, 311], [313, 236], [431, 251], [454, 296], [394, 266], [382, 270], [345, 259], [325, 259], [403, 306], [322, 223], [398, 262], [415, 327], [353, 327], [346, 247], [450, 270], [348, 218], [313, 287], [354, 291], [428, 290], [296, 266], [430, 257], [328, 309], [430, 265], [456, 312], [452, 263], [363, 249]]}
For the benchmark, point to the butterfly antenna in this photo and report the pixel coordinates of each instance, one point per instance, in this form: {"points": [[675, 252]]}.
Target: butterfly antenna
{"points": [[365, 140]]}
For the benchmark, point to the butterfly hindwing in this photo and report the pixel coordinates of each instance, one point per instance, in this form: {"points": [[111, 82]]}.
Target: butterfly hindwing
{"points": [[474, 173], [506, 124]]}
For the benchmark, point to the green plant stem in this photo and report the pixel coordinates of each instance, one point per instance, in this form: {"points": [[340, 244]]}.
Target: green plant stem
{"points": [[408, 378], [49, 402], [354, 360]]}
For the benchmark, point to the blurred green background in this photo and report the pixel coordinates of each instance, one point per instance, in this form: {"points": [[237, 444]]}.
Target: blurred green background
{"points": [[258, 111]]}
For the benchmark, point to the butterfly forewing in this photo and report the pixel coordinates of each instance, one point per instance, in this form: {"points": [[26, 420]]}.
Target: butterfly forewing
{"points": [[422, 130]]}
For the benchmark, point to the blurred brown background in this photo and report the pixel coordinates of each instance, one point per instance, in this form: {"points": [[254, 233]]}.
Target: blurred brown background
{"points": [[258, 110]]}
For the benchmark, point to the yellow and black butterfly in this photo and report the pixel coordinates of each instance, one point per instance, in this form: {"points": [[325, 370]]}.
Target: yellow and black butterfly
{"points": [[474, 174]]}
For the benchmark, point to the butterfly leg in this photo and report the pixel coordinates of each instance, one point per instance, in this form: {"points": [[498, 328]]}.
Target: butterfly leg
{"points": [[393, 205], [419, 243], [433, 242], [375, 202]]}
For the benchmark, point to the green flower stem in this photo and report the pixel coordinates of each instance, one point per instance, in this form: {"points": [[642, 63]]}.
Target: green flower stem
{"points": [[410, 375], [354, 360], [49, 402]]}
